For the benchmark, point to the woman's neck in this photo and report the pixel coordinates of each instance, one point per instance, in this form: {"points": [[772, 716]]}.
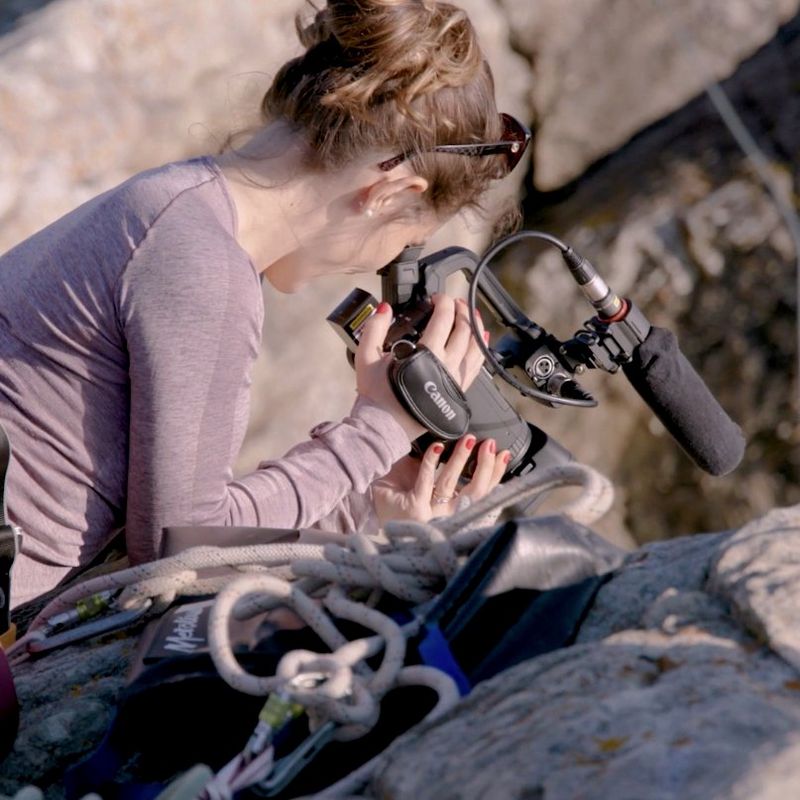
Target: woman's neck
{"points": [[280, 203]]}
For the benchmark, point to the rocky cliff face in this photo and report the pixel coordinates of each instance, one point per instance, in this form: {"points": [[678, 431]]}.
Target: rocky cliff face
{"points": [[679, 221], [683, 684]]}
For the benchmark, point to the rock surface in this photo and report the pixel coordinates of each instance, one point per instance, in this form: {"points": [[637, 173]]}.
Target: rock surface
{"points": [[664, 696], [599, 67]]}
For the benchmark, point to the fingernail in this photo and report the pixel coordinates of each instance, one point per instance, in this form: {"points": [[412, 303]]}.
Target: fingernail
{"points": [[478, 313], [438, 449], [469, 442], [486, 337], [492, 445], [506, 457], [383, 308]]}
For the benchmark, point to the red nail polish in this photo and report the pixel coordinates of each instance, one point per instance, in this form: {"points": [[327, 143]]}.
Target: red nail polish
{"points": [[438, 449], [469, 443], [492, 446], [486, 337], [383, 308]]}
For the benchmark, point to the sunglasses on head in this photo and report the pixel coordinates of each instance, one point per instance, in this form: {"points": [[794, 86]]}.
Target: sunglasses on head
{"points": [[516, 137]]}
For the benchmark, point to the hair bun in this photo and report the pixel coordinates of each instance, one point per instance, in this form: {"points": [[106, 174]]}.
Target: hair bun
{"points": [[387, 77], [394, 50]]}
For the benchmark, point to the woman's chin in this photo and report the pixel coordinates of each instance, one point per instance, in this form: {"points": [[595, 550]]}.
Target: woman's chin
{"points": [[285, 284]]}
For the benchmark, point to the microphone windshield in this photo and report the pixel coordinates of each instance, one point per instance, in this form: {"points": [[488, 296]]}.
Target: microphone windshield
{"points": [[669, 384]]}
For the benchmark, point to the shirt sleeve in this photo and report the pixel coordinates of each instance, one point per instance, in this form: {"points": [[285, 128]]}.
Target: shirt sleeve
{"points": [[190, 309]]}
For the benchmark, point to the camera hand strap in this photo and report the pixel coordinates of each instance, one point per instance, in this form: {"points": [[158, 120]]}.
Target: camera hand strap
{"points": [[428, 392]]}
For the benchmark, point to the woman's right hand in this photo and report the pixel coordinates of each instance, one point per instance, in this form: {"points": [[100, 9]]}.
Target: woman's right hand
{"points": [[448, 335]]}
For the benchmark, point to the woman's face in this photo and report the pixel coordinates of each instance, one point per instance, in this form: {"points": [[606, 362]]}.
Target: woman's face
{"points": [[358, 235], [366, 244]]}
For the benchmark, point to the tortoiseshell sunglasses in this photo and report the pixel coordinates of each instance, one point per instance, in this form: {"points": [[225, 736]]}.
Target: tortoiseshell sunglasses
{"points": [[516, 137]]}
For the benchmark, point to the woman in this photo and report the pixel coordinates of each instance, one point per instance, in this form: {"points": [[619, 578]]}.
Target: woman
{"points": [[128, 328]]}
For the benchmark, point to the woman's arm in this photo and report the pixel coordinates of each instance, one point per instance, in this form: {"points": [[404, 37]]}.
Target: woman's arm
{"points": [[190, 308]]}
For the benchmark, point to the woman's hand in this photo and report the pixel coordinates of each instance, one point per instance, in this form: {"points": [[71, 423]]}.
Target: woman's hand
{"points": [[448, 335], [414, 490]]}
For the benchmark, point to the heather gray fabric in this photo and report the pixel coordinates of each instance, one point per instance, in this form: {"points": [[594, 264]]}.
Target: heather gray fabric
{"points": [[128, 331]]}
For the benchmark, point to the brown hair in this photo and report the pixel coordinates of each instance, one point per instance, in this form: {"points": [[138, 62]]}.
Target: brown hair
{"points": [[395, 76]]}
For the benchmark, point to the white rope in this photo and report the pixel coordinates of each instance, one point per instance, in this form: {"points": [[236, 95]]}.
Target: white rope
{"points": [[410, 566], [160, 582], [339, 686]]}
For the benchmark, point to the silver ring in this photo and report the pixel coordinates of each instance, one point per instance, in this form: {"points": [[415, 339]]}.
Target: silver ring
{"points": [[439, 499]]}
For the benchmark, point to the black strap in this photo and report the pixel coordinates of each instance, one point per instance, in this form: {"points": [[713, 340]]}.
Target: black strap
{"points": [[5, 458], [430, 394], [8, 540]]}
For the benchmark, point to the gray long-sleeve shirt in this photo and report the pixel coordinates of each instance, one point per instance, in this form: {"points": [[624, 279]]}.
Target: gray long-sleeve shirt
{"points": [[128, 331]]}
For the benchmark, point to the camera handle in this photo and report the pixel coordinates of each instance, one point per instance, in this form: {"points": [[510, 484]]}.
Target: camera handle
{"points": [[409, 281]]}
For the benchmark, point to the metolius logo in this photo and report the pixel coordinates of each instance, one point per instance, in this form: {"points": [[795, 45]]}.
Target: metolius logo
{"points": [[432, 390], [183, 638]]}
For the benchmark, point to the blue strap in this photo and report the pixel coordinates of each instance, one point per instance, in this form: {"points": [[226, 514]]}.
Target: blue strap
{"points": [[435, 651]]}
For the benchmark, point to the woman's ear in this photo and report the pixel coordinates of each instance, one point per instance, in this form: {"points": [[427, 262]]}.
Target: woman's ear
{"points": [[389, 195]]}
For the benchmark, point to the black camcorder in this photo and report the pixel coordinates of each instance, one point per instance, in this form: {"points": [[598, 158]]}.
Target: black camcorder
{"points": [[535, 362]]}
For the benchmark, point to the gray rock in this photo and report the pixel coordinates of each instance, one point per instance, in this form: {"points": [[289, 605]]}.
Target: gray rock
{"points": [[663, 697], [646, 590], [637, 715], [67, 700], [605, 69], [758, 572]]}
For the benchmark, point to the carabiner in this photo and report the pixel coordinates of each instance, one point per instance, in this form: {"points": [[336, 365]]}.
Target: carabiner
{"points": [[96, 627], [289, 767]]}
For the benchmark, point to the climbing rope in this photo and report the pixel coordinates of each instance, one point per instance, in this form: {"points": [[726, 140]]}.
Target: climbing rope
{"points": [[338, 691], [410, 565]]}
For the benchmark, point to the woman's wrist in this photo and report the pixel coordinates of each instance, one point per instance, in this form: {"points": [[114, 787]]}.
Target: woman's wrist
{"points": [[395, 424]]}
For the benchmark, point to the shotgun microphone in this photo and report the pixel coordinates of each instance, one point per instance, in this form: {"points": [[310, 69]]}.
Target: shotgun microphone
{"points": [[663, 376], [668, 383]]}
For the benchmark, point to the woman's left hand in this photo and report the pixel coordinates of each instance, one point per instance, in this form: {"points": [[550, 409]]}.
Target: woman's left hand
{"points": [[414, 490]]}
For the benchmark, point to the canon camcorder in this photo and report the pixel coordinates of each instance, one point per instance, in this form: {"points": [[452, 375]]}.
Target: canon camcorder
{"points": [[533, 361]]}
